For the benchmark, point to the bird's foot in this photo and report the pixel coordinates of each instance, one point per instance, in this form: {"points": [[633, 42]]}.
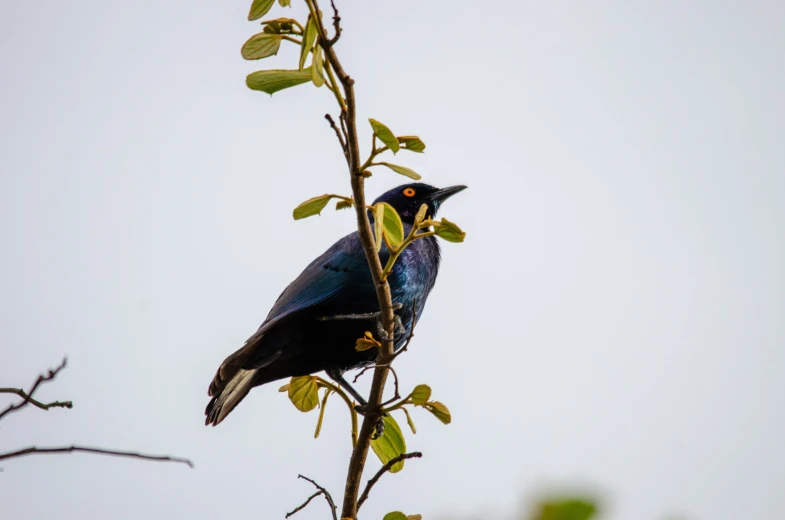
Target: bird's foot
{"points": [[378, 429], [399, 329]]}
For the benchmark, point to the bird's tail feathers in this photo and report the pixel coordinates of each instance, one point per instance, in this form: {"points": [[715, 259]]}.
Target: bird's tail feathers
{"points": [[230, 396]]}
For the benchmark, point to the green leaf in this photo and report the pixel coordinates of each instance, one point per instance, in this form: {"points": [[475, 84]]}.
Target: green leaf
{"points": [[378, 225], [303, 393], [366, 342], [260, 46], [344, 204], [420, 216], [439, 410], [449, 231], [395, 515], [285, 3], [259, 8], [321, 414], [567, 509], [385, 135], [409, 420], [271, 81], [413, 517], [279, 26], [317, 69], [309, 38], [311, 207], [421, 394], [390, 444], [411, 143], [402, 170], [392, 225], [284, 388]]}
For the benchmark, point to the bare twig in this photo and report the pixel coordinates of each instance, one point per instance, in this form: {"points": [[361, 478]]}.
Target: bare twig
{"points": [[28, 396], [69, 449], [321, 491], [336, 24], [302, 506], [43, 406], [329, 118], [384, 469]]}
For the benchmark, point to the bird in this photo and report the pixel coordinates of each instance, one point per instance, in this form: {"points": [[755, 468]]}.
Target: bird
{"points": [[315, 322]]}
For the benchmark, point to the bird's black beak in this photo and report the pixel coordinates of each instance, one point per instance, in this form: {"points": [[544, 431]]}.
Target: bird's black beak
{"points": [[445, 193]]}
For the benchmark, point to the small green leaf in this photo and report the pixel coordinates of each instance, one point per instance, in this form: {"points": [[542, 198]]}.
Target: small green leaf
{"points": [[285, 3], [413, 517], [395, 515], [309, 38], [449, 231], [321, 414], [402, 170], [412, 143], [420, 216], [566, 509], [393, 227], [421, 394], [378, 225], [344, 204], [311, 207], [409, 420], [366, 342], [317, 68], [271, 81], [284, 388], [259, 8], [385, 135], [439, 410], [279, 26], [260, 46], [303, 393], [390, 444]]}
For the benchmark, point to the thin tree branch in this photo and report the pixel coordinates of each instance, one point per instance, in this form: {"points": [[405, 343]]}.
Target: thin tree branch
{"points": [[336, 25], [28, 396], [384, 469], [321, 491], [302, 506], [329, 118], [43, 406], [69, 449], [383, 294]]}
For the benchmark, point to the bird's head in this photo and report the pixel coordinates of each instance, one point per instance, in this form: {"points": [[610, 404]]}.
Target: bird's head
{"points": [[408, 198]]}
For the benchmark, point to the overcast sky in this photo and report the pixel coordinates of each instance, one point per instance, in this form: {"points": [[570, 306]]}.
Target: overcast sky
{"points": [[615, 320]]}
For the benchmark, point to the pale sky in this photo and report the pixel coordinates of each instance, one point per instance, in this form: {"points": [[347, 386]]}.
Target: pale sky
{"points": [[615, 320]]}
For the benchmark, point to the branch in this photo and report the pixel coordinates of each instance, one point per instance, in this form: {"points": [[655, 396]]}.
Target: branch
{"points": [[321, 491], [384, 469], [383, 294], [329, 118], [28, 396], [100, 451], [29, 399], [302, 506], [336, 24]]}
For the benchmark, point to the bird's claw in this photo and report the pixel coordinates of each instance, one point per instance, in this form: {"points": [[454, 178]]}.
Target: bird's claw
{"points": [[378, 429], [399, 329]]}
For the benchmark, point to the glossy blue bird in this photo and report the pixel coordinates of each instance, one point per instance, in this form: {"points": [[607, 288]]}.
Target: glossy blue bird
{"points": [[318, 318]]}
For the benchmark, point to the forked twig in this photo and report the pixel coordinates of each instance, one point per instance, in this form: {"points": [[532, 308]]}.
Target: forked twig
{"points": [[384, 469]]}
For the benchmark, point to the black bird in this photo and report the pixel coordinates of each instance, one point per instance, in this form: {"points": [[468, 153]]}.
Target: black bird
{"points": [[316, 321]]}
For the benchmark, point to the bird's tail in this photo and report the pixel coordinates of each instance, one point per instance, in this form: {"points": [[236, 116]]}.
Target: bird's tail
{"points": [[230, 396]]}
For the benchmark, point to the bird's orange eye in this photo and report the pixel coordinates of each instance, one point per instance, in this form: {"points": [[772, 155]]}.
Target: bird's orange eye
{"points": [[409, 192]]}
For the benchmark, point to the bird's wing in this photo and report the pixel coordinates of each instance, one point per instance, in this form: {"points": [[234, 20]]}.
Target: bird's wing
{"points": [[337, 281]]}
